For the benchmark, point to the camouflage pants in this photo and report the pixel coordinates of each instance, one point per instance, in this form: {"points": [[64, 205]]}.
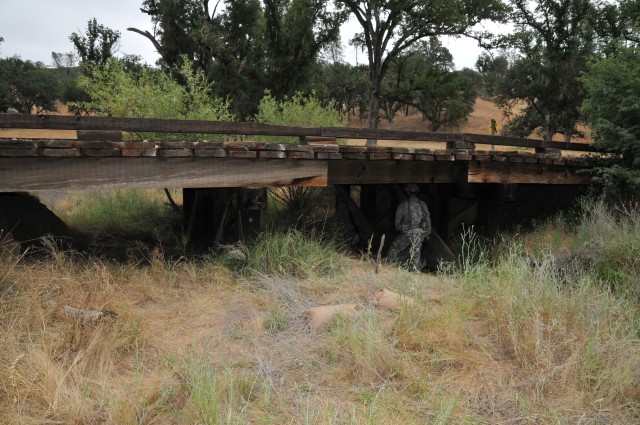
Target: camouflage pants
{"points": [[414, 242]]}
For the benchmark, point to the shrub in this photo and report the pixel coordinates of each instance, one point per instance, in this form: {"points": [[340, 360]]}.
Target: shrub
{"points": [[298, 110], [293, 253], [116, 92], [613, 107]]}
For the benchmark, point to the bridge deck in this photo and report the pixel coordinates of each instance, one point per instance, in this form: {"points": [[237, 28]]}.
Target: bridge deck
{"points": [[72, 164]]}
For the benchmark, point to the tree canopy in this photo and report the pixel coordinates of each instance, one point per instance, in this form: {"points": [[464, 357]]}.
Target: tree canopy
{"points": [[553, 41], [389, 28], [247, 46], [97, 44], [613, 106], [27, 86]]}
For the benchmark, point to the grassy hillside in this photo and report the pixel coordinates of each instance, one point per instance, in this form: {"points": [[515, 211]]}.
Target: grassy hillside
{"points": [[537, 328]]}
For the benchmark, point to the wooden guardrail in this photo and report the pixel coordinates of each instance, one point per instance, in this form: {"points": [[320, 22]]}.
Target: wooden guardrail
{"points": [[80, 123]]}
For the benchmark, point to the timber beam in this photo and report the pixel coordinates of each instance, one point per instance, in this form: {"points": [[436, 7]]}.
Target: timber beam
{"points": [[28, 174], [508, 172]]}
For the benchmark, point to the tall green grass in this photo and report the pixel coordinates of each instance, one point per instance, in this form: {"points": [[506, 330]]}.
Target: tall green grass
{"points": [[611, 237], [130, 211], [292, 253], [580, 332]]}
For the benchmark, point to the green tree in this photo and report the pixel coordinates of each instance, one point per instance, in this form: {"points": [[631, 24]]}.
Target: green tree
{"points": [[424, 77], [98, 43], [27, 86], [246, 48], [344, 84], [612, 105], [553, 40], [390, 27], [296, 32], [492, 69], [116, 92]]}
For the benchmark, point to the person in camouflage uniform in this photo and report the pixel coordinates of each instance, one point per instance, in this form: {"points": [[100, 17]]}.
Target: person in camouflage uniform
{"points": [[413, 221]]}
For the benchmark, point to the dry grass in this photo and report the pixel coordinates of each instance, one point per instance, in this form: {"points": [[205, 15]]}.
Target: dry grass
{"points": [[192, 344], [193, 341]]}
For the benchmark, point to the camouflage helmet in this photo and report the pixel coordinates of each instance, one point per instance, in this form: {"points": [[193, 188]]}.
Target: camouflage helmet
{"points": [[411, 188]]}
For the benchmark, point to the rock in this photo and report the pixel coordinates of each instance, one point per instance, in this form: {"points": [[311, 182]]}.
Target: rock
{"points": [[389, 300], [322, 316]]}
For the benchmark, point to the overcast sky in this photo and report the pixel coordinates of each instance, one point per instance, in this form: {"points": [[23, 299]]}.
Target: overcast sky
{"points": [[32, 29]]}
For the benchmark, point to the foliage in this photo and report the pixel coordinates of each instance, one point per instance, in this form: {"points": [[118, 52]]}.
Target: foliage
{"points": [[610, 233], [152, 94], [298, 110], [492, 70], [98, 43], [553, 40], [27, 86], [389, 28], [296, 202], [343, 83], [132, 212], [245, 47], [424, 78], [613, 107], [292, 253]]}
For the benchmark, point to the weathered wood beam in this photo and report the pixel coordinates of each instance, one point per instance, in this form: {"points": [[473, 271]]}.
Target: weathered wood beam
{"points": [[251, 128], [526, 143], [23, 174], [150, 125], [395, 172], [507, 172]]}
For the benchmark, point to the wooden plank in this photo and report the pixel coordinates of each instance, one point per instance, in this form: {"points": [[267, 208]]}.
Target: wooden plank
{"points": [[242, 154], [60, 153], [393, 172], [17, 144], [100, 135], [354, 155], [326, 148], [526, 143], [318, 140], [377, 156], [57, 122], [21, 174], [175, 153], [82, 123], [272, 154], [403, 156], [215, 153], [17, 152], [508, 172], [300, 155], [382, 134]]}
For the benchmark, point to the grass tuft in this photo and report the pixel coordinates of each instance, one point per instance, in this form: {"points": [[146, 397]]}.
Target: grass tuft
{"points": [[293, 253]]}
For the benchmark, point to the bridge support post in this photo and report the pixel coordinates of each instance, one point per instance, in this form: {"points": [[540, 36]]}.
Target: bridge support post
{"points": [[221, 215]]}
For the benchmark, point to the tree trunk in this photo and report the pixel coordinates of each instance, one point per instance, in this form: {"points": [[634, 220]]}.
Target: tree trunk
{"points": [[374, 107]]}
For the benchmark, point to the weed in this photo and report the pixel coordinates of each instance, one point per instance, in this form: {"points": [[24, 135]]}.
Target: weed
{"points": [[277, 320], [293, 254]]}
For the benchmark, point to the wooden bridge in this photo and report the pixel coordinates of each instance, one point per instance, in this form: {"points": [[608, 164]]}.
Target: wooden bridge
{"points": [[466, 178], [98, 158]]}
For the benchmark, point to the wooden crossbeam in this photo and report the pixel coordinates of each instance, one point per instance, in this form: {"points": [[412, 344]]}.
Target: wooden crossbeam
{"points": [[26, 174], [510, 172]]}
